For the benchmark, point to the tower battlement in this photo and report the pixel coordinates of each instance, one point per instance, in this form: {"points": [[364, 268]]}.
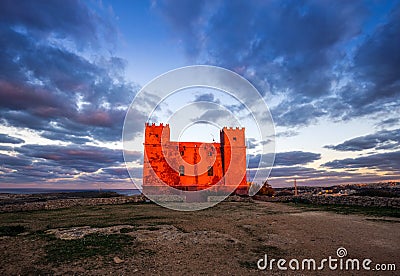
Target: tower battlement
{"points": [[234, 137], [156, 134], [233, 128]]}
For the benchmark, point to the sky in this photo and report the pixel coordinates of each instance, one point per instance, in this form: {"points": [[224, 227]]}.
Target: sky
{"points": [[329, 72]]}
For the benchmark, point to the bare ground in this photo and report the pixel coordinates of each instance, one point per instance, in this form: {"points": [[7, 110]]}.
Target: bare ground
{"points": [[227, 239]]}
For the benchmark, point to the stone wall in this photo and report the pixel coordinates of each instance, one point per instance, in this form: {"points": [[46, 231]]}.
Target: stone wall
{"points": [[66, 203], [393, 202], [340, 200]]}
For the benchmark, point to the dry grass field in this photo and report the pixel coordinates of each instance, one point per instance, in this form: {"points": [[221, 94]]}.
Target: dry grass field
{"points": [[227, 239]]}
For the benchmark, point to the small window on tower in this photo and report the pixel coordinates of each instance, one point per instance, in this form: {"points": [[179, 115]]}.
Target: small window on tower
{"points": [[157, 135], [210, 171], [234, 138], [181, 170], [210, 153], [182, 152]]}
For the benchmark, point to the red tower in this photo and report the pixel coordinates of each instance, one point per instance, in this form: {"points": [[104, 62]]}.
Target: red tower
{"points": [[233, 147], [194, 166]]}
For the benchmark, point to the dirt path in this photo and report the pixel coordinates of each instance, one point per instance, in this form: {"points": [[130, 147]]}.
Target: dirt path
{"points": [[318, 234], [227, 239]]}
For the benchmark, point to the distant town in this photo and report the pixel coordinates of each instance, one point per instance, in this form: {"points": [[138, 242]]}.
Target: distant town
{"points": [[380, 189]]}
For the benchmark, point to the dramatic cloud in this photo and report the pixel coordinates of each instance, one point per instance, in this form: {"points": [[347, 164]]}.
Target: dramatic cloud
{"points": [[389, 122], [284, 176], [10, 162], [81, 158], [304, 52], [376, 64], [61, 19], [291, 158], [310, 60], [295, 158], [388, 161], [252, 143], [4, 138], [385, 139], [294, 114], [50, 87], [34, 163], [56, 81], [305, 173], [287, 133], [206, 97]]}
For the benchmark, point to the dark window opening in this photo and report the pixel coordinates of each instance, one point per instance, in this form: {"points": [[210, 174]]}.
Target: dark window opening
{"points": [[181, 170], [182, 153], [234, 138], [210, 153], [210, 171]]}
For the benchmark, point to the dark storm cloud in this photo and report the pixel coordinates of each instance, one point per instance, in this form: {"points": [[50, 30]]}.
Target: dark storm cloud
{"points": [[287, 133], [377, 61], [117, 173], [389, 161], [291, 114], [301, 50], [48, 84], [321, 178], [108, 175], [59, 18], [63, 164], [5, 138], [206, 97], [8, 161], [287, 172], [48, 87], [291, 42], [284, 176], [291, 158], [305, 173], [184, 16], [21, 169], [210, 98], [295, 158], [385, 139], [213, 115], [57, 100], [6, 148], [389, 122], [252, 143], [81, 158], [22, 119], [375, 86], [52, 135]]}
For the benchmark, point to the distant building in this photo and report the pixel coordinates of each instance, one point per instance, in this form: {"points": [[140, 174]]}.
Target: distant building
{"points": [[178, 164]]}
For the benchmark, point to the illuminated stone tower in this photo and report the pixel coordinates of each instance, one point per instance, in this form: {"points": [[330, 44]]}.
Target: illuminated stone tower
{"points": [[194, 166], [233, 147]]}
